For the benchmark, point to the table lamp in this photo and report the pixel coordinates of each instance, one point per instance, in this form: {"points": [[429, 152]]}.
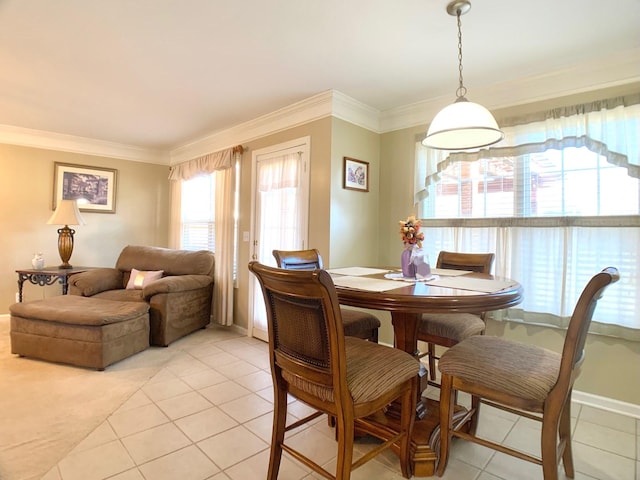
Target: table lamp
{"points": [[66, 214]]}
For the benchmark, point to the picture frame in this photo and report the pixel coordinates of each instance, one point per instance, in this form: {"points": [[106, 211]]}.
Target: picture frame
{"points": [[93, 187], [356, 175]]}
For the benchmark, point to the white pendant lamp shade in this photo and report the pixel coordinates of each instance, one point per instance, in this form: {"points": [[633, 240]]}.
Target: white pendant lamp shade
{"points": [[462, 125]]}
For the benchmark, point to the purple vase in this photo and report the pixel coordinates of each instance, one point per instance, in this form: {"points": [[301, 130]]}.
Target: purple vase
{"points": [[408, 268]]}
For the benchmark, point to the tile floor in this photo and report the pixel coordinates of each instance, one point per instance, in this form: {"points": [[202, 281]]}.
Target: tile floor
{"points": [[207, 416]]}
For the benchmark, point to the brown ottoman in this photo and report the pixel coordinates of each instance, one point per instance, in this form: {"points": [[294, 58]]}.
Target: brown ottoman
{"points": [[88, 332]]}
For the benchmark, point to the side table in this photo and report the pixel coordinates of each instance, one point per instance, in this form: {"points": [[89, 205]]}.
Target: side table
{"points": [[47, 276]]}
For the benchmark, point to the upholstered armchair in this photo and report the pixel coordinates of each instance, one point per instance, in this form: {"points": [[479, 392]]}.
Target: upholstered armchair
{"points": [[177, 285]]}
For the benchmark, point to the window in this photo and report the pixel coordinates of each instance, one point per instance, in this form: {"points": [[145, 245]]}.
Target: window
{"points": [[557, 201], [554, 183], [198, 228]]}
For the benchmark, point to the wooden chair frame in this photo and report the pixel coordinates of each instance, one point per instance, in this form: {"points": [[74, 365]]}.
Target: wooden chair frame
{"points": [[313, 291], [553, 412]]}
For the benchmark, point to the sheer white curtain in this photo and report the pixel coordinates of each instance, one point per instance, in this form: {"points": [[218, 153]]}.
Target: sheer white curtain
{"points": [[279, 215], [608, 127], [221, 163], [553, 265], [280, 218], [554, 258]]}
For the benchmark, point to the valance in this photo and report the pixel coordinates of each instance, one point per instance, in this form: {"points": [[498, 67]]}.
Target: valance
{"points": [[608, 127], [203, 165]]}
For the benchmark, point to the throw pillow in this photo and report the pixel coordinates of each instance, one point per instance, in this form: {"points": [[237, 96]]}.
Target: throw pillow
{"points": [[139, 279]]}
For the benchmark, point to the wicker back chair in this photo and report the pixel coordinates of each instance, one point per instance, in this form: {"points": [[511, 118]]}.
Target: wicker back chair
{"points": [[447, 329], [346, 377], [356, 323], [523, 379]]}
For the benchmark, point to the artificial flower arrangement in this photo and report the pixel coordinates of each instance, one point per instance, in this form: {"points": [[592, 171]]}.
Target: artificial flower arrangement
{"points": [[414, 262], [410, 231]]}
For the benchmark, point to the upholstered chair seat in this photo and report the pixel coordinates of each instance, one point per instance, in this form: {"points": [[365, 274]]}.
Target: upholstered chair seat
{"points": [[454, 326], [514, 369]]}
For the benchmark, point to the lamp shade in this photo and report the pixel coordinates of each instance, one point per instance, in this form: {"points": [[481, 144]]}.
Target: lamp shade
{"points": [[66, 213], [461, 126]]}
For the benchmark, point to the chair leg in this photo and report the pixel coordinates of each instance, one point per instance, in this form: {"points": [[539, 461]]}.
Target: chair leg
{"points": [[475, 406], [446, 418], [374, 335], [277, 434], [345, 431], [549, 447], [407, 419], [565, 434], [431, 348]]}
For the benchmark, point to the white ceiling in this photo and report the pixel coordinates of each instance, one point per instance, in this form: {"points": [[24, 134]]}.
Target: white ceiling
{"points": [[160, 74]]}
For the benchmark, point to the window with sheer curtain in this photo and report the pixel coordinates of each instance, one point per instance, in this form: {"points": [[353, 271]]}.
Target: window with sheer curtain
{"points": [[557, 201], [197, 223]]}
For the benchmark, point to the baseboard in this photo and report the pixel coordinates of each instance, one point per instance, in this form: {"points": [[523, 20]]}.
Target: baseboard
{"points": [[605, 403], [239, 329]]}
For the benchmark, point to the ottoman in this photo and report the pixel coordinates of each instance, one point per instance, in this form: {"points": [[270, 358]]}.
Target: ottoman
{"points": [[88, 332]]}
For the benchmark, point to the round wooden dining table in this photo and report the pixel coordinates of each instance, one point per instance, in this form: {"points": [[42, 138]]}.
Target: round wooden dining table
{"points": [[407, 303]]}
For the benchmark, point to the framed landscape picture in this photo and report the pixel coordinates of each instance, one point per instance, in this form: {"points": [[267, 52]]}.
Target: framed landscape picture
{"points": [[93, 187], [356, 174]]}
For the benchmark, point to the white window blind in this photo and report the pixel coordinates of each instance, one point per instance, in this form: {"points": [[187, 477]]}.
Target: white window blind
{"points": [[198, 231]]}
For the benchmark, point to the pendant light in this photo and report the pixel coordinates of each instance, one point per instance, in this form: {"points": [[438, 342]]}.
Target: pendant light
{"points": [[463, 124]]}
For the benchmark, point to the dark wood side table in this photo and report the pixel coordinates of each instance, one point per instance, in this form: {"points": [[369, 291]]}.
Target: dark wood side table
{"points": [[48, 276]]}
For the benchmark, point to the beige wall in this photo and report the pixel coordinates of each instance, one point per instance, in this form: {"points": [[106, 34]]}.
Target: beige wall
{"points": [[26, 189], [354, 214]]}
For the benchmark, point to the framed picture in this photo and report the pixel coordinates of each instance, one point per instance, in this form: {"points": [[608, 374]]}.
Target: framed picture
{"points": [[93, 187], [356, 174]]}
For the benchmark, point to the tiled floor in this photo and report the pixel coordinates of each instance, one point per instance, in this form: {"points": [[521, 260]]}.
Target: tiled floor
{"points": [[207, 416]]}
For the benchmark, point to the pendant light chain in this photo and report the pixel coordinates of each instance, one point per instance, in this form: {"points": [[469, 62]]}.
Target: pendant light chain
{"points": [[461, 91]]}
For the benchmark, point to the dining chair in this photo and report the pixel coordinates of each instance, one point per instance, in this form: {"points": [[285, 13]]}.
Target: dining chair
{"points": [[356, 323], [523, 379], [350, 378], [447, 329]]}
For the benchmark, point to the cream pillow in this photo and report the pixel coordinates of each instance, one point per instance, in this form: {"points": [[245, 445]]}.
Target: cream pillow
{"points": [[139, 279]]}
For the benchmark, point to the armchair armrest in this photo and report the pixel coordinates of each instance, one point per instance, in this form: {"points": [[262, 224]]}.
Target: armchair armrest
{"points": [[176, 283], [95, 281]]}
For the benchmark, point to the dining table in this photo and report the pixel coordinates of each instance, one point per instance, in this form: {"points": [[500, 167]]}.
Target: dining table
{"points": [[442, 291]]}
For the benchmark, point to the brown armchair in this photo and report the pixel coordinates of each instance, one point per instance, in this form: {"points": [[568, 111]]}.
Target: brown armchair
{"points": [[179, 301]]}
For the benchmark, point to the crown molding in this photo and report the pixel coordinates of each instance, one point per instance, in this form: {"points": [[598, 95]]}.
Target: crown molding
{"points": [[356, 112], [610, 71], [321, 105], [27, 137]]}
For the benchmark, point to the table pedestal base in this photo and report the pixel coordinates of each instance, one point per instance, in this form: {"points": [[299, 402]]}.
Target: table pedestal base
{"points": [[426, 436]]}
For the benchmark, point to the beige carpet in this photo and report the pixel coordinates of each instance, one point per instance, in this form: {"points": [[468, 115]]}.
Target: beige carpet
{"points": [[46, 409]]}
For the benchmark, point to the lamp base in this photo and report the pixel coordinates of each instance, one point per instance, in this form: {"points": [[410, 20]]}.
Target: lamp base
{"points": [[65, 246]]}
